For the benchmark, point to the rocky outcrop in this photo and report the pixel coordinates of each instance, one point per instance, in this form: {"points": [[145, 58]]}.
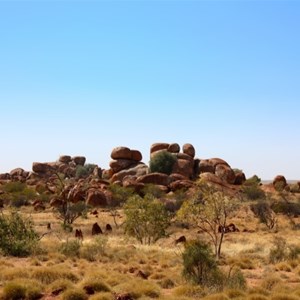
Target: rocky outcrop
{"points": [[154, 178], [221, 169], [125, 162]]}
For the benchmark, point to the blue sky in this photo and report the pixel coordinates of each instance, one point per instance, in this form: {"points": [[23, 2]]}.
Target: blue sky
{"points": [[80, 77]]}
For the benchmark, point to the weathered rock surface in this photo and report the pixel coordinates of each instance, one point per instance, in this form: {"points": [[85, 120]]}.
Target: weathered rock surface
{"points": [[189, 150], [155, 178], [121, 153], [174, 148], [159, 146]]}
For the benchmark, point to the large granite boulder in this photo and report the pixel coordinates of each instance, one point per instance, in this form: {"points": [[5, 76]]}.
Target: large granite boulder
{"points": [[159, 146], [189, 150], [121, 153], [79, 160], [155, 178]]}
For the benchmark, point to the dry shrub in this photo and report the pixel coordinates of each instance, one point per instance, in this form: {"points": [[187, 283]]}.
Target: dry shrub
{"points": [[245, 263], [219, 296], [14, 273], [138, 288], [48, 275], [281, 296], [257, 297], [102, 296], [166, 283], [270, 282], [60, 284], [95, 249], [259, 291], [74, 294], [95, 284], [22, 289], [234, 293], [283, 266], [189, 290]]}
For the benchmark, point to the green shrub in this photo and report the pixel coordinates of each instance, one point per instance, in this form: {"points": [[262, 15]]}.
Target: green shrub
{"points": [[70, 248], [18, 194], [199, 264], [84, 171], [295, 188], [162, 162], [17, 235], [287, 208], [146, 219]]}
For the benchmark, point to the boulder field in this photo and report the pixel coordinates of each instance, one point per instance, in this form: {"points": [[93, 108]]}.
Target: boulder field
{"points": [[127, 169]]}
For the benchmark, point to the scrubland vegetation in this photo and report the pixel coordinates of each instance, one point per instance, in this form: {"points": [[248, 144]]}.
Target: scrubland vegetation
{"points": [[140, 258]]}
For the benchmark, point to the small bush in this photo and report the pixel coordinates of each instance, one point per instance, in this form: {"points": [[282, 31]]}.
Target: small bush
{"points": [[96, 285], [94, 249], [84, 171], [74, 294], [263, 211], [102, 296], [236, 280], [17, 235], [295, 188], [287, 208], [139, 288], [61, 284], [162, 162], [13, 291], [22, 289], [48, 275], [70, 248], [167, 283], [278, 252], [270, 282], [199, 264], [192, 291], [19, 194]]}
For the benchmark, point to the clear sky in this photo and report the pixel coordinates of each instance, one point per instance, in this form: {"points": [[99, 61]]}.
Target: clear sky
{"points": [[82, 77]]}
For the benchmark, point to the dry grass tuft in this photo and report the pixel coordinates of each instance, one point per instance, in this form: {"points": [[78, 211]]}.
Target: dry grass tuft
{"points": [[22, 289], [138, 288], [47, 275], [188, 290]]}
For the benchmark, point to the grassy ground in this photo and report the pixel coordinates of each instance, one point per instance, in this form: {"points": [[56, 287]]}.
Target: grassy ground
{"points": [[113, 263]]}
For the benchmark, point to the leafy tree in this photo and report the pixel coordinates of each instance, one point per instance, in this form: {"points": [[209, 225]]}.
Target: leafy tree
{"points": [[146, 219], [17, 235], [162, 162], [208, 210]]}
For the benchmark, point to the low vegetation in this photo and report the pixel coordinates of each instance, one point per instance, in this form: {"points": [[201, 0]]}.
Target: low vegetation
{"points": [[145, 256]]}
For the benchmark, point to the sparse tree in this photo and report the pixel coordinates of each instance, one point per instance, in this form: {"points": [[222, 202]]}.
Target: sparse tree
{"points": [[146, 219], [208, 210], [67, 211]]}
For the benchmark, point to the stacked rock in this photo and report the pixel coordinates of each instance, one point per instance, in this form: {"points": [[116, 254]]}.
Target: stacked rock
{"points": [[184, 164], [221, 169], [126, 162]]}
